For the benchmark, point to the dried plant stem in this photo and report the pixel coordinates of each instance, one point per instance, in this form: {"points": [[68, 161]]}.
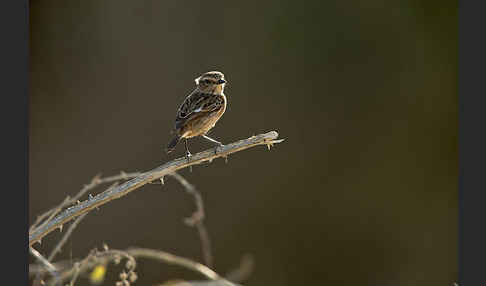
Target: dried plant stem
{"points": [[96, 181], [94, 258], [197, 219], [93, 202], [103, 257], [244, 270], [51, 268], [174, 260], [64, 239]]}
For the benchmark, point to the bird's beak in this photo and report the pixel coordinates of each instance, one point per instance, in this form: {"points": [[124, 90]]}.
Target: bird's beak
{"points": [[221, 81]]}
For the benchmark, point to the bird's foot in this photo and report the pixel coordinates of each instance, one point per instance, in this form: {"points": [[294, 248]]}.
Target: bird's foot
{"points": [[188, 156], [219, 145]]}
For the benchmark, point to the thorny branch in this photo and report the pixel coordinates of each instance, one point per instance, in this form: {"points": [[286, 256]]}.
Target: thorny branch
{"points": [[96, 181], [73, 225], [35, 235]]}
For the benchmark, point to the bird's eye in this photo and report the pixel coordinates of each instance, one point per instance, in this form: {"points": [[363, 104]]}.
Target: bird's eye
{"points": [[207, 81]]}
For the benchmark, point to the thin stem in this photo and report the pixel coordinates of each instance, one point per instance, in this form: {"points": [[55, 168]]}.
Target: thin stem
{"points": [[197, 219], [51, 268], [96, 181]]}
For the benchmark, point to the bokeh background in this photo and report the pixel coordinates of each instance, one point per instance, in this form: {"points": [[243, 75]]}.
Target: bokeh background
{"points": [[362, 192]]}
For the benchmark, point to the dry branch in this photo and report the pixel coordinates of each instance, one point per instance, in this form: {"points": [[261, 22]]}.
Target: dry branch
{"points": [[93, 202], [103, 257], [47, 265], [197, 219], [96, 181], [94, 258]]}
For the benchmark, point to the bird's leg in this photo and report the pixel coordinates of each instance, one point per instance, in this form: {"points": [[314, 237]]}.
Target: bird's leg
{"points": [[188, 154], [219, 144]]}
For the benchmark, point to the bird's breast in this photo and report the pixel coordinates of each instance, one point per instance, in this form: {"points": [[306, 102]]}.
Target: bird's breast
{"points": [[202, 123]]}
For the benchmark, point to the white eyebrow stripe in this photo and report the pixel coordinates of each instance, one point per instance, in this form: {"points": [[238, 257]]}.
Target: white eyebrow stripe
{"points": [[198, 110]]}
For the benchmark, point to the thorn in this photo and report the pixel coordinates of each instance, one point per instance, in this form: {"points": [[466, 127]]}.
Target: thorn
{"points": [[90, 196], [40, 241], [270, 143], [96, 178], [123, 174], [226, 159], [60, 228], [210, 160], [105, 246], [162, 180], [78, 202], [190, 168]]}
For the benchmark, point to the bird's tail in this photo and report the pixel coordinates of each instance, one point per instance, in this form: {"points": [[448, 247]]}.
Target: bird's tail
{"points": [[173, 143]]}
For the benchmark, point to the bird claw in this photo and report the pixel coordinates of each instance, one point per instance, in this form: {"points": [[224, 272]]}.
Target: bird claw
{"points": [[216, 148]]}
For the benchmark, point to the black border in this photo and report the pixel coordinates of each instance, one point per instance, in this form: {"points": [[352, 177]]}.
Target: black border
{"points": [[472, 143], [472, 48], [14, 28]]}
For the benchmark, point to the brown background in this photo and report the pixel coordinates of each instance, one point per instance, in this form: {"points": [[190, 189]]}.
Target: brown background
{"points": [[363, 190]]}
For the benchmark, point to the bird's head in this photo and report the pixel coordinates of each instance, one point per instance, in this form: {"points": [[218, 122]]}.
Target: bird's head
{"points": [[211, 82]]}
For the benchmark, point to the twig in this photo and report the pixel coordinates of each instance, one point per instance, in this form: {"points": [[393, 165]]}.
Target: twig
{"points": [[174, 260], [96, 181], [36, 268], [197, 219], [103, 257], [70, 230], [263, 139], [68, 233], [64, 239], [94, 258], [51, 268], [243, 271], [75, 275]]}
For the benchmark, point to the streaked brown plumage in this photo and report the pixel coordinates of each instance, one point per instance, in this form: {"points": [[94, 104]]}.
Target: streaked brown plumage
{"points": [[200, 110]]}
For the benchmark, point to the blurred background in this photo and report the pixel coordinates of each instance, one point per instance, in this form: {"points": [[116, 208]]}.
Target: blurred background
{"points": [[362, 192]]}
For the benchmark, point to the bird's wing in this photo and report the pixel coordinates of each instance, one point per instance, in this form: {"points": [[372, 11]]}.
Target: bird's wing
{"points": [[196, 104]]}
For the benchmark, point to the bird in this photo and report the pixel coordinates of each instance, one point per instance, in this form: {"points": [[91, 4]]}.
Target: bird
{"points": [[200, 110]]}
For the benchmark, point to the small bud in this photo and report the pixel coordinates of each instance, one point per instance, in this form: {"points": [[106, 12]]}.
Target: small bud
{"points": [[123, 276], [129, 264], [133, 276], [105, 247]]}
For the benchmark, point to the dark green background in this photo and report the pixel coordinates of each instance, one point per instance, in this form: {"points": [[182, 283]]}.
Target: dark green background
{"points": [[362, 192]]}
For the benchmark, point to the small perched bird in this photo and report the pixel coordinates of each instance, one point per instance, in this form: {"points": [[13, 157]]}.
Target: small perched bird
{"points": [[200, 110]]}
